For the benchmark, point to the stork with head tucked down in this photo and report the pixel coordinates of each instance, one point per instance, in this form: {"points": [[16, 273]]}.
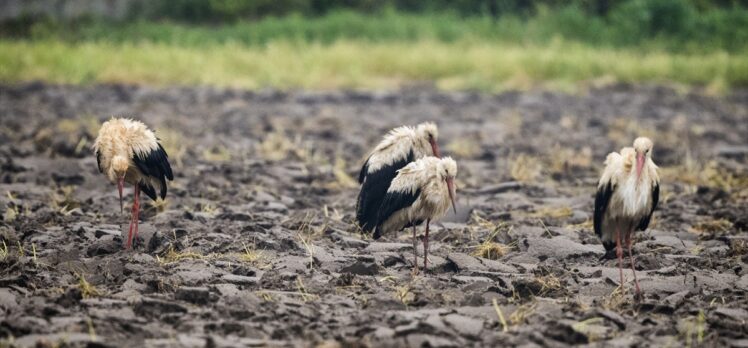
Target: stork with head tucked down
{"points": [[399, 147], [627, 196], [421, 191], [127, 151]]}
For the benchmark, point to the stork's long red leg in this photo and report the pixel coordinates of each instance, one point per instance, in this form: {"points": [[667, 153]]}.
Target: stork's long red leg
{"points": [[132, 225], [426, 247], [137, 210], [631, 256], [619, 253], [415, 251]]}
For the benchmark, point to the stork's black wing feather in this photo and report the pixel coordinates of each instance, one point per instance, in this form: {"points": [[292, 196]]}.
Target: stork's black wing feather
{"points": [[644, 223], [362, 174], [98, 161], [602, 198], [373, 190], [154, 164], [394, 201]]}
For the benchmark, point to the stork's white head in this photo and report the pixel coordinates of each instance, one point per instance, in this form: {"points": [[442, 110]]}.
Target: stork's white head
{"points": [[643, 148], [426, 135], [447, 171], [118, 169]]}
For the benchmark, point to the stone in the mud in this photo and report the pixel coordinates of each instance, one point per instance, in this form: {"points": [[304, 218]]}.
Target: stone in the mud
{"points": [[131, 284], [737, 314], [101, 232], [675, 300], [104, 246], [226, 290], [156, 307], [239, 280], [375, 247], [421, 340], [70, 339], [361, 268], [194, 277], [7, 300], [559, 248], [350, 242], [391, 260], [435, 323], [464, 325], [465, 262], [614, 317], [25, 324], [383, 332], [471, 280], [198, 295]]}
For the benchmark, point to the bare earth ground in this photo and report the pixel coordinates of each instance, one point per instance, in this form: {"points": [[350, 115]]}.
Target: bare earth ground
{"points": [[255, 244]]}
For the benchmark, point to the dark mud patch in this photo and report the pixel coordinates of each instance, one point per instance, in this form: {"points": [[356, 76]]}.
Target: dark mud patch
{"points": [[255, 244]]}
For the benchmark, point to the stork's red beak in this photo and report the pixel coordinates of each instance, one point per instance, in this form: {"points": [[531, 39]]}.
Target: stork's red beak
{"points": [[120, 186], [639, 164], [451, 189], [435, 148]]}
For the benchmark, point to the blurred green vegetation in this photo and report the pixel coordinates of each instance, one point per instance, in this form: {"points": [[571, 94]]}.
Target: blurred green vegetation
{"points": [[484, 44], [672, 25]]}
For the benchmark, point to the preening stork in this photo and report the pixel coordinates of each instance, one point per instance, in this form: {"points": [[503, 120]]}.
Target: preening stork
{"points": [[127, 151], [421, 191], [627, 196], [399, 147]]}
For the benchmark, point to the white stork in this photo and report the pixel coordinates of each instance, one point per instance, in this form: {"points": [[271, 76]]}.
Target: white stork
{"points": [[127, 151], [627, 195], [399, 147], [420, 192]]}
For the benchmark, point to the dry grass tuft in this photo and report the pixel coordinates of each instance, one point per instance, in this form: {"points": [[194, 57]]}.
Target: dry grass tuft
{"points": [[738, 247], [4, 252], [11, 213], [548, 283], [520, 315], [87, 290], [172, 256], [525, 168], [305, 295], [553, 212], [250, 255], [712, 226], [63, 200], [693, 329], [560, 160], [616, 300], [465, 147], [159, 205], [276, 146], [491, 250], [623, 130], [583, 327], [217, 154], [404, 294], [342, 179], [710, 174], [586, 225]]}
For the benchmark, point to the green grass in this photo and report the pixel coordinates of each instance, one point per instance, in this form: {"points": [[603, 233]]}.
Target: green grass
{"points": [[634, 27], [463, 64], [564, 48]]}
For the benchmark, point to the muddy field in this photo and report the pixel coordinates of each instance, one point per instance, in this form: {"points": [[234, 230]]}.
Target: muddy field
{"points": [[255, 244]]}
